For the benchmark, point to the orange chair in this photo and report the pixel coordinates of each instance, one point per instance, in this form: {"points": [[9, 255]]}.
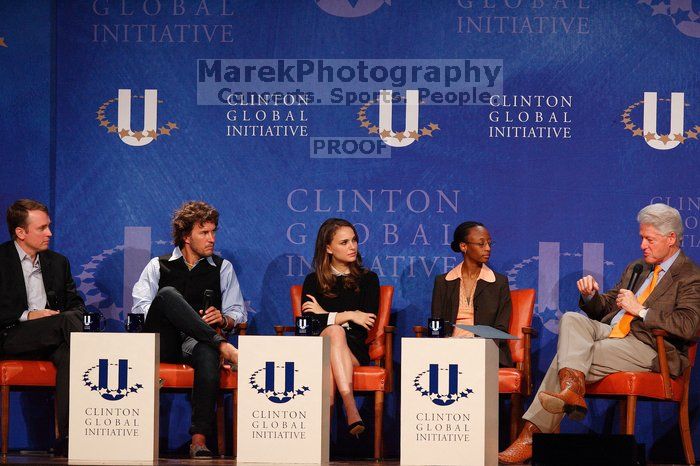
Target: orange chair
{"points": [[515, 381], [180, 377], [19, 374], [627, 387], [377, 378]]}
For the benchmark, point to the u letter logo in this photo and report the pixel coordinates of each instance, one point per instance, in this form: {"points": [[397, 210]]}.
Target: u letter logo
{"points": [[385, 118], [150, 118], [669, 141]]}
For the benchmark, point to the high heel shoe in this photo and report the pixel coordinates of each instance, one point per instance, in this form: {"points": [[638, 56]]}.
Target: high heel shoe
{"points": [[356, 428]]}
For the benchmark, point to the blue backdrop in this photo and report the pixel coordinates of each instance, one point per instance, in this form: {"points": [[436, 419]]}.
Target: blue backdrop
{"points": [[530, 118]]}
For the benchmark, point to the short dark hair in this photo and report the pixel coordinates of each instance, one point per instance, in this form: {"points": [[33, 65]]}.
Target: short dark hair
{"points": [[189, 214], [461, 233], [17, 214]]}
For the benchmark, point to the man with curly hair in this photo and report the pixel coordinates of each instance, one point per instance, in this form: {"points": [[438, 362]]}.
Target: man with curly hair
{"points": [[171, 293]]}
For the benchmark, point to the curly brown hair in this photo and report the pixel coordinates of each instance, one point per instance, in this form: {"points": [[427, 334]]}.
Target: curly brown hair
{"points": [[188, 215]]}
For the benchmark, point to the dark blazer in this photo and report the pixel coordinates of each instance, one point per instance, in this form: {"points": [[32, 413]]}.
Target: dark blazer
{"points": [[674, 306], [56, 274], [492, 306]]}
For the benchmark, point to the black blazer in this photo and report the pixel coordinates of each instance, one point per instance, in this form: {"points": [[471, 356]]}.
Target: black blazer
{"points": [[57, 277], [492, 307]]}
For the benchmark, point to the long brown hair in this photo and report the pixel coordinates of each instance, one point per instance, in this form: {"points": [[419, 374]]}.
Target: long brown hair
{"points": [[322, 259]]}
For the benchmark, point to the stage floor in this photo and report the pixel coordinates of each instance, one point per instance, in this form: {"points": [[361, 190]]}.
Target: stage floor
{"points": [[41, 460]]}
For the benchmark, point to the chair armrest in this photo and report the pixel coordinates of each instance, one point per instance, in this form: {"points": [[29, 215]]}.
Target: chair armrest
{"points": [[420, 331], [530, 331], [663, 361], [389, 357], [241, 329], [282, 329]]}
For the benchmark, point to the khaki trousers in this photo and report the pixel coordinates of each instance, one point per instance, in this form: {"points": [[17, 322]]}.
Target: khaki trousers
{"points": [[584, 346]]}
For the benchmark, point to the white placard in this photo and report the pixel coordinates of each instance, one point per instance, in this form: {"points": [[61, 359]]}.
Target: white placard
{"points": [[283, 399], [113, 398], [449, 401]]}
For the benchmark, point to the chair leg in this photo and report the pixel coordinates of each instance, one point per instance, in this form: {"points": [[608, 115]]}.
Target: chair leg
{"points": [[684, 424], [623, 414], [220, 429], [5, 395], [234, 417], [516, 415], [631, 414], [378, 423]]}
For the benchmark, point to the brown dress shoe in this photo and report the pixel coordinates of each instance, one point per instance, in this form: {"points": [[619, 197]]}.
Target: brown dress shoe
{"points": [[570, 400], [520, 450]]}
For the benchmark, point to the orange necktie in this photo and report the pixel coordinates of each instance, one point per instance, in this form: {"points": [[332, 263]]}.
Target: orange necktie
{"points": [[622, 328]]}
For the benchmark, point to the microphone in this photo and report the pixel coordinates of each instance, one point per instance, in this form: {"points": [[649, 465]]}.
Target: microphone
{"points": [[636, 273], [51, 300], [208, 297]]}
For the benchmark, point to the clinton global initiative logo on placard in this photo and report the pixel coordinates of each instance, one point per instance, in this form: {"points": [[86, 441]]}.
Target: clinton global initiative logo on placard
{"points": [[150, 132], [427, 384], [681, 12], [263, 382], [656, 139], [351, 8], [100, 378]]}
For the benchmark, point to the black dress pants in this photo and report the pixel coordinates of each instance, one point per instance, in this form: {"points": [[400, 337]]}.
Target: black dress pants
{"points": [[46, 338], [185, 337]]}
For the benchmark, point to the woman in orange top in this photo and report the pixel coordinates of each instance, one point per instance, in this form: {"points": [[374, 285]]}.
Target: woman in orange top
{"points": [[472, 293]]}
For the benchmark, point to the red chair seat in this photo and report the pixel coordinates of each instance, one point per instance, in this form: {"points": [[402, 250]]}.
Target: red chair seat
{"points": [[510, 380], [369, 378], [182, 376], [646, 384], [28, 373]]}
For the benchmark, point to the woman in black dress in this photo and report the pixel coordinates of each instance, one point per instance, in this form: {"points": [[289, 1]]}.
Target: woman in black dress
{"points": [[345, 296]]}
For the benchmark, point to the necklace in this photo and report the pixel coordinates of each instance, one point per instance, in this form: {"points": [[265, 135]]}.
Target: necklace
{"points": [[467, 285]]}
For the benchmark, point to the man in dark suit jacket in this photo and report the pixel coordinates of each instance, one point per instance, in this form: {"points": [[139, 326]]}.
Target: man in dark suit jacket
{"points": [[616, 334], [39, 305]]}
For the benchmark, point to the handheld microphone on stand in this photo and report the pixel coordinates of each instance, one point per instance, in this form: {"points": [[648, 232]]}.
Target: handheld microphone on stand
{"points": [[634, 278]]}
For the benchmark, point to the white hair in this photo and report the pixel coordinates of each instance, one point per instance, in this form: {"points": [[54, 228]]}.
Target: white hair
{"points": [[664, 218]]}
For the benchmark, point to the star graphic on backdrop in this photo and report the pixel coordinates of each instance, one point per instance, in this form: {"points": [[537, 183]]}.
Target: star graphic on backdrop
{"points": [[664, 138], [153, 134], [660, 9], [548, 314], [679, 137], [414, 135], [111, 129], [649, 136], [637, 132], [164, 130], [680, 16], [629, 126], [426, 132], [365, 124], [124, 133], [691, 134], [2, 42], [138, 135], [433, 126], [399, 137], [385, 133], [104, 123], [373, 129], [172, 125]]}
